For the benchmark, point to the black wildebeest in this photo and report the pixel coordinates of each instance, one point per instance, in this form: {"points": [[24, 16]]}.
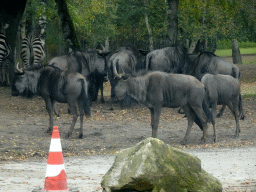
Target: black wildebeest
{"points": [[54, 85], [91, 63], [172, 59], [159, 89], [208, 62], [223, 90], [125, 60]]}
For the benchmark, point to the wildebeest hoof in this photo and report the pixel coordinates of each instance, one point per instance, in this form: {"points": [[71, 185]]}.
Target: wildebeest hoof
{"points": [[80, 136], [242, 117], [215, 140], [203, 140], [236, 135], [219, 115], [49, 130], [68, 135], [102, 101], [183, 142]]}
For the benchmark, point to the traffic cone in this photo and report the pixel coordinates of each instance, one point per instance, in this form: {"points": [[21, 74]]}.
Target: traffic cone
{"points": [[55, 178]]}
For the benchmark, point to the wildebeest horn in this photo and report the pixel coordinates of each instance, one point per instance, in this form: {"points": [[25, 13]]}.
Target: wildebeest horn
{"points": [[103, 48], [18, 69], [119, 76]]}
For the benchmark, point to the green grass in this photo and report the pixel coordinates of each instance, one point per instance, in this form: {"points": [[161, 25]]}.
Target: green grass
{"points": [[228, 52]]}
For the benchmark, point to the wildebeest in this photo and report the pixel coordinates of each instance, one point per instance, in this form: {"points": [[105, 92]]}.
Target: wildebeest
{"points": [[159, 89], [91, 64], [208, 62], [172, 59], [54, 85], [223, 90], [125, 61]]}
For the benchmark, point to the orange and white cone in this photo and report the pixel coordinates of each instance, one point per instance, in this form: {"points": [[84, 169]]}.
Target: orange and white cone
{"points": [[55, 178]]}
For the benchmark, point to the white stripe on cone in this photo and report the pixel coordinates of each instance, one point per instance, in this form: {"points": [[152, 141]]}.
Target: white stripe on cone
{"points": [[55, 145], [54, 170]]}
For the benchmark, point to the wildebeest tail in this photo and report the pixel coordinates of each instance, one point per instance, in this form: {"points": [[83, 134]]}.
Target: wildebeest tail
{"points": [[233, 73], [84, 100], [148, 62], [207, 112]]}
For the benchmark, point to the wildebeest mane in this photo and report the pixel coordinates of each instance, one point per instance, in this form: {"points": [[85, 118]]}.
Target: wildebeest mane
{"points": [[56, 80], [206, 59], [78, 54]]}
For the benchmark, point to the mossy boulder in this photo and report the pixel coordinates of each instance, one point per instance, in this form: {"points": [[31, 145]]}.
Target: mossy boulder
{"points": [[152, 165]]}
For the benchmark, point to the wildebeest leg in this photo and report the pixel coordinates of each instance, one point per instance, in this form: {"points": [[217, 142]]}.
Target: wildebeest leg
{"points": [[221, 111], [54, 104], [190, 115], [233, 106], [214, 111], [241, 110], [49, 109], [81, 111], [155, 115], [202, 117], [101, 91], [72, 107]]}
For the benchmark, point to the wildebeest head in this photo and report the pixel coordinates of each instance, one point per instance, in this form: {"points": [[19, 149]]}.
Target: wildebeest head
{"points": [[121, 87], [24, 82]]}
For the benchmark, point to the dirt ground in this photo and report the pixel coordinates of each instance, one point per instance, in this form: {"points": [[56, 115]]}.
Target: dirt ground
{"points": [[24, 122]]}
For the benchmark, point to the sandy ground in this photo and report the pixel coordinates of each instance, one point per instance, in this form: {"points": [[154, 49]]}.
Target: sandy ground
{"points": [[234, 167], [23, 123]]}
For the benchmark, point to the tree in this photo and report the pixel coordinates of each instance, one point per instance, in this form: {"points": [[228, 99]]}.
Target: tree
{"points": [[151, 46], [11, 14], [67, 25], [236, 55], [172, 20]]}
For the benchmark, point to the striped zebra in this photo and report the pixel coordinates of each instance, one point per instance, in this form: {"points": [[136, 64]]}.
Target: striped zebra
{"points": [[5, 51], [32, 51]]}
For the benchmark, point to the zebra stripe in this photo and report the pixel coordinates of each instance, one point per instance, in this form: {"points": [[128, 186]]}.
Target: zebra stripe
{"points": [[4, 48], [32, 51]]}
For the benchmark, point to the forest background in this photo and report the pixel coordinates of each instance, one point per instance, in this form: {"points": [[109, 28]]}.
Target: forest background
{"points": [[202, 24]]}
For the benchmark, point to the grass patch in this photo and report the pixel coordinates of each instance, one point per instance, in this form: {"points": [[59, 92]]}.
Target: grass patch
{"points": [[228, 52], [248, 90]]}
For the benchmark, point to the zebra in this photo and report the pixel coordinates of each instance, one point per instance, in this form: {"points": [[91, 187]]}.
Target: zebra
{"points": [[32, 51], [5, 72], [5, 48], [5, 51]]}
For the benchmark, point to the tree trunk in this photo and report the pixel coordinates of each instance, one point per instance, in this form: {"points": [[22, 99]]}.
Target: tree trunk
{"points": [[42, 22], [67, 25], [12, 14], [236, 55], [192, 46], [107, 44], [172, 20], [151, 46]]}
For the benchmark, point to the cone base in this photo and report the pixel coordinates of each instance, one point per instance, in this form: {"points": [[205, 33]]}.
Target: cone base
{"points": [[41, 190], [56, 183]]}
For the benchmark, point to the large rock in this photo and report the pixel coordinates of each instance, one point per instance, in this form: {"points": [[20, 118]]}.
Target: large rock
{"points": [[152, 165]]}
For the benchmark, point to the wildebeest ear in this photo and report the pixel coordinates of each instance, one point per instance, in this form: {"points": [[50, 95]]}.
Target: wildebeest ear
{"points": [[143, 52], [125, 77]]}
